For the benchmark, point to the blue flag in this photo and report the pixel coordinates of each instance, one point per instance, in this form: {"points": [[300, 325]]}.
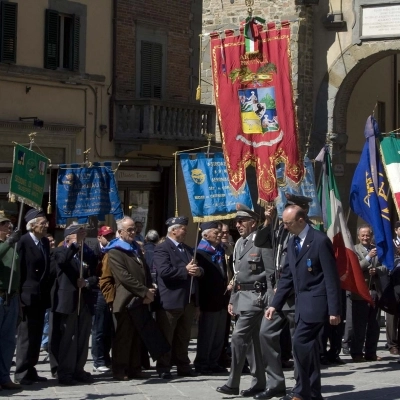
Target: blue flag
{"points": [[306, 188], [369, 195], [209, 192], [82, 192]]}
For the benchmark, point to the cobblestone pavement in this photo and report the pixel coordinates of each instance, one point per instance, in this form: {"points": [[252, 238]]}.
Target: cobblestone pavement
{"points": [[365, 381]]}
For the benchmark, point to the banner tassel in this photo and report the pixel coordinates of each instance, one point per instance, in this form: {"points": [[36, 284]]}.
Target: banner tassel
{"points": [[198, 93]]}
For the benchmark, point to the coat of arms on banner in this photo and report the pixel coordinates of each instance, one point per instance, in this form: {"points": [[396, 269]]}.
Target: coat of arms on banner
{"points": [[255, 105]]}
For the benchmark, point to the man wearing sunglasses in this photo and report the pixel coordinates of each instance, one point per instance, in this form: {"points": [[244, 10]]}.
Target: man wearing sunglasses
{"points": [[9, 302]]}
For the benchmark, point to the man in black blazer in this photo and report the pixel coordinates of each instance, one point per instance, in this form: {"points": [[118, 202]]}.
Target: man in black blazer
{"points": [[71, 316], [178, 290], [214, 299], [311, 270], [34, 254]]}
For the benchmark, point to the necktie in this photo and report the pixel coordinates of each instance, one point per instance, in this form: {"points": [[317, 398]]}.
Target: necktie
{"points": [[297, 246], [182, 250], [40, 246], [243, 245]]}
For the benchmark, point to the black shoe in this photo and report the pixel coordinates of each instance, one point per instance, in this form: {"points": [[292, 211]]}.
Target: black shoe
{"points": [[337, 361], [218, 369], [165, 375], [269, 394], [68, 382], [38, 378], [325, 361], [287, 364], [84, 377], [245, 370], [228, 390], [203, 371], [250, 392], [190, 373], [24, 381]]}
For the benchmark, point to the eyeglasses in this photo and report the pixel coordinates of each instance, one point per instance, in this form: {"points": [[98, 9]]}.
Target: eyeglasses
{"points": [[241, 221], [129, 230], [44, 223], [288, 223]]}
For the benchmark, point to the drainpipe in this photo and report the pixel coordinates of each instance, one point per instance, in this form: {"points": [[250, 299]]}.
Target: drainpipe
{"points": [[114, 74], [395, 92]]}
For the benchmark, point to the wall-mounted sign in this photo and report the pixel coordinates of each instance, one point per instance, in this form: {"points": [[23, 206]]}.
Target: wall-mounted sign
{"points": [[124, 175], [380, 21], [338, 169]]}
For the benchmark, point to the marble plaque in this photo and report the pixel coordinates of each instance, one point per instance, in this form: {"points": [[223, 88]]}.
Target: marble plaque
{"points": [[381, 21]]}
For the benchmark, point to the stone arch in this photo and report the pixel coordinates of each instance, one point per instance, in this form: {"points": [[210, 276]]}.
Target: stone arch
{"points": [[338, 84]]}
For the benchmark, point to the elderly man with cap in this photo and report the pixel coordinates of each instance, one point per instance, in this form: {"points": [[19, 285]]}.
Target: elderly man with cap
{"points": [[9, 301], [275, 334], [34, 254], [177, 274], [72, 307], [248, 301], [213, 299], [102, 329]]}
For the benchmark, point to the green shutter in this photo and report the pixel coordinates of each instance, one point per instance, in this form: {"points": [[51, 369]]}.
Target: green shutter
{"points": [[8, 32], [75, 43], [151, 70], [51, 40]]}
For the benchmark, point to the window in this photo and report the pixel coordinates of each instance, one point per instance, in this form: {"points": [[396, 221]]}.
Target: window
{"points": [[8, 32], [151, 69], [61, 41]]}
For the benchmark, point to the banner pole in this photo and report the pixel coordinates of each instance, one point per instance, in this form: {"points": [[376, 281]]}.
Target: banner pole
{"points": [[80, 276], [31, 141], [194, 259]]}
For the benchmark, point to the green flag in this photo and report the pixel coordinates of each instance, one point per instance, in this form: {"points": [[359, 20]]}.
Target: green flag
{"points": [[28, 176]]}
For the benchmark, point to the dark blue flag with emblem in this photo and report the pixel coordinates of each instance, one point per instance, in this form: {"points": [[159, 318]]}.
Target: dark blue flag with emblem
{"points": [[369, 195]]}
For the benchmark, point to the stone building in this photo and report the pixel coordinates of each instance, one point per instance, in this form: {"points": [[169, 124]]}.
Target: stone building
{"points": [[55, 70], [345, 65]]}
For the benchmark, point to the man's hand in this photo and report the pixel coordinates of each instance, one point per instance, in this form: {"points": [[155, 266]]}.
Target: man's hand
{"points": [[334, 319], [81, 283], [230, 309], [269, 313], [193, 269], [150, 295], [372, 271], [146, 300], [269, 213], [372, 253], [14, 237]]}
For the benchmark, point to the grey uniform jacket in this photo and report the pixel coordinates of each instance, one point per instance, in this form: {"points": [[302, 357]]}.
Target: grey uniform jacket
{"points": [[251, 265], [374, 282]]}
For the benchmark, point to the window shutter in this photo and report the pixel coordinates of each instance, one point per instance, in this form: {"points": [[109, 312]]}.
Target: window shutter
{"points": [[51, 40], [8, 32], [75, 43], [151, 70]]}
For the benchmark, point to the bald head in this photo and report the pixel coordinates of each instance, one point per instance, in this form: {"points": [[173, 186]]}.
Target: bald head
{"points": [[294, 218]]}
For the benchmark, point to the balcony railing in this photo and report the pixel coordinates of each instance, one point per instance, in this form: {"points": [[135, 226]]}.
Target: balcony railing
{"points": [[143, 120]]}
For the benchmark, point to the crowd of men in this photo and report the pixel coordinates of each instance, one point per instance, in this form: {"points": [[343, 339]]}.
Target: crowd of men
{"points": [[279, 283]]}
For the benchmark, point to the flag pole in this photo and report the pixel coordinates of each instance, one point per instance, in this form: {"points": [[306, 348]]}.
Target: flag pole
{"points": [[80, 277], [31, 141]]}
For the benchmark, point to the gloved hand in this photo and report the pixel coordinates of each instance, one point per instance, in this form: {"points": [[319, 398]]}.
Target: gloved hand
{"points": [[14, 237]]}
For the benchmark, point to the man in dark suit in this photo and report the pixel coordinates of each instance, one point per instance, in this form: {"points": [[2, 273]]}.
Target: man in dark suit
{"points": [[311, 270], [34, 254], [248, 301], [178, 289], [72, 307], [213, 300]]}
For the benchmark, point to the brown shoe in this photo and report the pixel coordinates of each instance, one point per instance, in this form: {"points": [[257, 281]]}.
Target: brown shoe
{"points": [[373, 358], [358, 358], [394, 351], [11, 386]]}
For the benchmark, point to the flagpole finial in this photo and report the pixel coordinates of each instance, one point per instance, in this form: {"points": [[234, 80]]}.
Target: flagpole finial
{"points": [[249, 5]]}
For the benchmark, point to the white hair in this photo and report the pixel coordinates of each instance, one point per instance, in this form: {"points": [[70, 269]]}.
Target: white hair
{"points": [[205, 233], [172, 227], [121, 221], [29, 225], [152, 236]]}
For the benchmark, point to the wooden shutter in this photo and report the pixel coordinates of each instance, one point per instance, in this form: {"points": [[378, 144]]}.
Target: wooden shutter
{"points": [[52, 40], [75, 43], [151, 70], [8, 32]]}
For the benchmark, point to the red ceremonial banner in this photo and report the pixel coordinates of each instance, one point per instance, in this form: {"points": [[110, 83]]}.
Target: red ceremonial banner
{"points": [[254, 101]]}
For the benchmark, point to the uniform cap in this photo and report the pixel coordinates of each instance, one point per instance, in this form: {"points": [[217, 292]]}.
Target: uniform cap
{"points": [[209, 225], [243, 211], [301, 201], [32, 214], [3, 218], [177, 221], [72, 229]]}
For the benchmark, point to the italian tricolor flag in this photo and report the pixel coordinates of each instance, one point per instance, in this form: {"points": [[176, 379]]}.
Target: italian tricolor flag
{"points": [[350, 273], [390, 151]]}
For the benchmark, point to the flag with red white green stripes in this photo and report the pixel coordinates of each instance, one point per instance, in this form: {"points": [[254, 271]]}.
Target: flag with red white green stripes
{"points": [[390, 151], [350, 273]]}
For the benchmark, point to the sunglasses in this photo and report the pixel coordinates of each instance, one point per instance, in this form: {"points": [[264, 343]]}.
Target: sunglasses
{"points": [[129, 230]]}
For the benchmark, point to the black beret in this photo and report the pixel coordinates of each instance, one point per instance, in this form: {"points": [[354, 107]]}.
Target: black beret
{"points": [[209, 225], [72, 229], [243, 211], [32, 214], [301, 201], [177, 221]]}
